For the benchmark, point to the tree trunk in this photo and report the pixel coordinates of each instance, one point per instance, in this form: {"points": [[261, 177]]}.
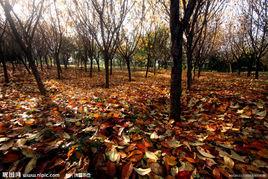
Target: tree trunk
{"points": [[5, 69], [106, 65], [85, 61], [176, 53], [98, 64], [249, 71], [154, 66], [91, 67], [25, 65], [41, 63], [147, 66], [230, 68], [128, 68], [189, 69], [46, 61], [14, 67], [57, 60], [36, 74], [111, 67], [199, 71], [257, 68]]}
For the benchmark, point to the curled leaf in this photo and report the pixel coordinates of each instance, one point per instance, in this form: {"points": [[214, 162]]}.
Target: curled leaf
{"points": [[154, 135], [151, 156], [228, 162], [204, 153], [143, 171], [113, 155], [174, 143]]}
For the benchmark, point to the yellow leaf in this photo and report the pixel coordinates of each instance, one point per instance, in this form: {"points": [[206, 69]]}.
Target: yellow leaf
{"points": [[31, 164], [228, 162], [151, 156], [142, 171]]}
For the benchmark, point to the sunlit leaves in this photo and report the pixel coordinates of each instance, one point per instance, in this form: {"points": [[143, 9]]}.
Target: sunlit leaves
{"points": [[143, 171]]}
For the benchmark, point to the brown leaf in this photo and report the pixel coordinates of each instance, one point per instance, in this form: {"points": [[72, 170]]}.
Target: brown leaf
{"points": [[170, 160], [216, 173], [127, 170], [10, 157]]}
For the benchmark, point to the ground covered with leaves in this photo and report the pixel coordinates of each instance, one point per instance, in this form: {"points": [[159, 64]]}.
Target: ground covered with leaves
{"points": [[125, 131]]}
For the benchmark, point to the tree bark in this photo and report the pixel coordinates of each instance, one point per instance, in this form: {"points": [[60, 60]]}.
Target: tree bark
{"points": [[128, 68], [5, 69], [189, 69], [98, 64], [199, 71], [36, 74], [91, 68], [154, 66], [111, 67], [57, 60], [106, 65], [147, 66], [257, 68]]}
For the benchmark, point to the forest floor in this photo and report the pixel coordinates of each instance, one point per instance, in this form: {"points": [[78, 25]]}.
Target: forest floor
{"points": [[83, 128]]}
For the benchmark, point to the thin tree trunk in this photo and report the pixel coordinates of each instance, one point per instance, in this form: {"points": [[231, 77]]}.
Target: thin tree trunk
{"points": [[249, 71], [41, 63], [199, 71], [230, 68], [91, 67], [106, 65], [128, 68], [57, 60], [111, 67], [5, 69], [154, 66], [257, 68], [85, 61], [147, 66], [14, 67], [36, 74], [98, 64], [189, 69], [46, 61], [25, 65]]}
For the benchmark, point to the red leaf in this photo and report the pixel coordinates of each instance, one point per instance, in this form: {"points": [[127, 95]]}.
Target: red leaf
{"points": [[127, 170], [184, 174]]}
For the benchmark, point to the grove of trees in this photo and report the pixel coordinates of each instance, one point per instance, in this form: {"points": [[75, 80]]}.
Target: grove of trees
{"points": [[152, 34]]}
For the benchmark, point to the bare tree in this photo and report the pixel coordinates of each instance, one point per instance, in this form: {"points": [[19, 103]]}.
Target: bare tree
{"points": [[24, 33], [180, 14], [104, 20], [256, 16], [3, 27]]}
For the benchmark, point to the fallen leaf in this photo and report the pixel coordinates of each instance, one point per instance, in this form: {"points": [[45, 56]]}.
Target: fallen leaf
{"points": [[170, 160], [7, 145], [204, 153], [228, 162], [174, 143], [113, 155], [151, 156], [216, 173], [30, 166], [127, 169], [154, 136], [143, 171], [10, 157], [263, 153]]}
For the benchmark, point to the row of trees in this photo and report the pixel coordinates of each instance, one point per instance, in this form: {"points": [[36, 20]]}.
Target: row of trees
{"points": [[246, 39], [104, 31]]}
